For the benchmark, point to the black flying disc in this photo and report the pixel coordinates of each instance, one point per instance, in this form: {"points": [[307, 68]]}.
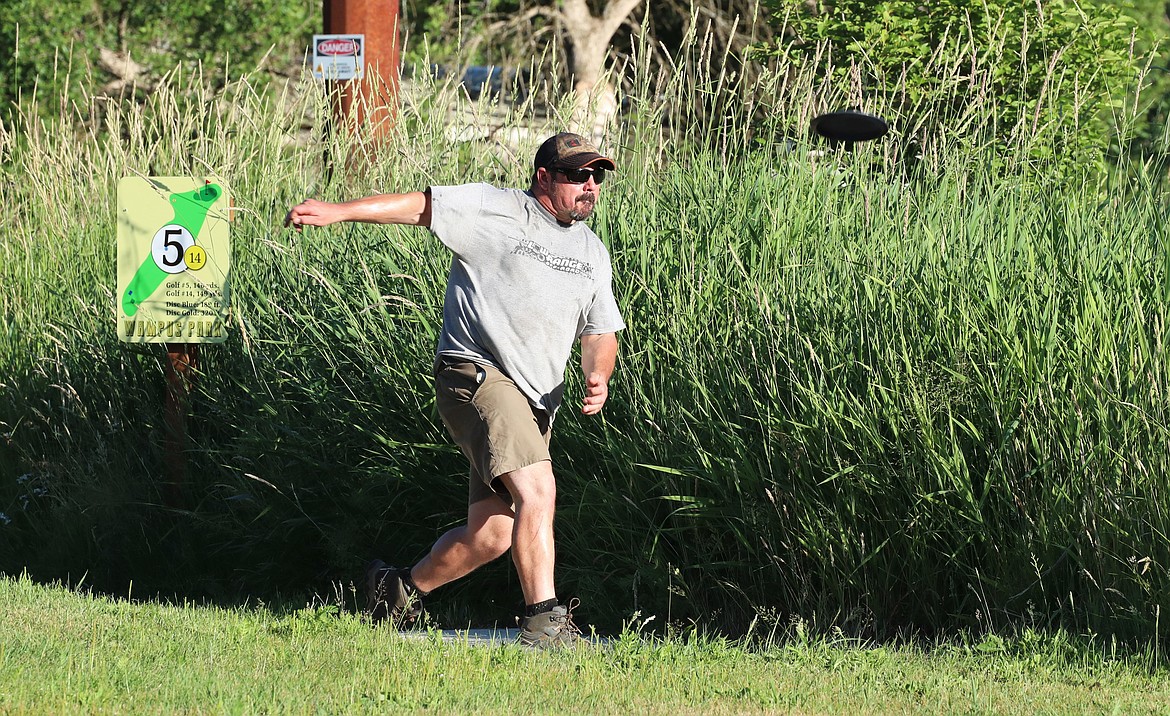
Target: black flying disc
{"points": [[849, 125]]}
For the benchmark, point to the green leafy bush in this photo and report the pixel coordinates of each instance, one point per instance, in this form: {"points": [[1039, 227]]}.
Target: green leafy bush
{"points": [[997, 71], [48, 45]]}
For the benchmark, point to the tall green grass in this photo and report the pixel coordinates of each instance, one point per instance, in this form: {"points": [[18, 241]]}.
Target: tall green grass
{"points": [[917, 386]]}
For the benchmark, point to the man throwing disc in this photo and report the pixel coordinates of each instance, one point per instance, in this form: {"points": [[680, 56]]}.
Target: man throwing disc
{"points": [[527, 280]]}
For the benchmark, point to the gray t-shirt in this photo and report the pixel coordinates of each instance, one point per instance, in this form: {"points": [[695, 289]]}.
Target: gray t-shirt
{"points": [[522, 289]]}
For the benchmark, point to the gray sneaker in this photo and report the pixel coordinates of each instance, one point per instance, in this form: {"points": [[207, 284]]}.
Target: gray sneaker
{"points": [[551, 630], [387, 598]]}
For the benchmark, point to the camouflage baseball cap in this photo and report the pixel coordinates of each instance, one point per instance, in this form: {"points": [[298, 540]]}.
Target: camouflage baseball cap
{"points": [[570, 151]]}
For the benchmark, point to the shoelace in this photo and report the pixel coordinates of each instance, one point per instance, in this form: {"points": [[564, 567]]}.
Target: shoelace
{"points": [[568, 618]]}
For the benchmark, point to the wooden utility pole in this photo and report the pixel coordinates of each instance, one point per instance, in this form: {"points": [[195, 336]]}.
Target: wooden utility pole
{"points": [[373, 99]]}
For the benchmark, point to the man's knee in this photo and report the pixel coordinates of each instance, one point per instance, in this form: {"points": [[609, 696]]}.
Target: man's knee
{"points": [[532, 487]]}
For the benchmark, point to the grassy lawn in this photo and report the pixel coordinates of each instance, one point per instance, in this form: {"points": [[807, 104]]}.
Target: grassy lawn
{"points": [[61, 651]]}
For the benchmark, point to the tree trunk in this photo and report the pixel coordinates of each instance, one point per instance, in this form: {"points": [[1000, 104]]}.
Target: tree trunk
{"points": [[594, 101]]}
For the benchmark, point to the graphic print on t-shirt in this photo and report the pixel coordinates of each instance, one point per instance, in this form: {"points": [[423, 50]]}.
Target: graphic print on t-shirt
{"points": [[564, 264]]}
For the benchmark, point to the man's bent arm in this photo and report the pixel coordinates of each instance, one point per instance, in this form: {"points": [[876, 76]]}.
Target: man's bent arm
{"points": [[598, 356], [413, 208]]}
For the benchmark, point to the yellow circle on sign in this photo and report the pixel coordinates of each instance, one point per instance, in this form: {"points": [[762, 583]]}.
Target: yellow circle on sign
{"points": [[195, 257]]}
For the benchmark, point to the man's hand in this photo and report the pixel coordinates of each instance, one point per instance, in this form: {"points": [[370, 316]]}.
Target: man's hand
{"points": [[596, 391], [598, 356], [311, 212]]}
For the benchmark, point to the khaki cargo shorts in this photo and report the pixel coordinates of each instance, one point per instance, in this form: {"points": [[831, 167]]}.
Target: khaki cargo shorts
{"points": [[492, 423]]}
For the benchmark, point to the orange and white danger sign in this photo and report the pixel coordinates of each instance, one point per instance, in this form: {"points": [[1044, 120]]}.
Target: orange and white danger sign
{"points": [[339, 57]]}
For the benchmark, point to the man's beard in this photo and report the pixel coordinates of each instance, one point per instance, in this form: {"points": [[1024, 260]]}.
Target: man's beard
{"points": [[579, 212]]}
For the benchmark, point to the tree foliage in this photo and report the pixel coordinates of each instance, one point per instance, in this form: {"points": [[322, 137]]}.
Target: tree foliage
{"points": [[1153, 135], [1016, 65], [48, 44], [511, 32]]}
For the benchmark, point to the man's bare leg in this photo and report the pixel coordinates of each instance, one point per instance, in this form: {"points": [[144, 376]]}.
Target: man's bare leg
{"points": [[534, 492], [492, 528], [486, 536]]}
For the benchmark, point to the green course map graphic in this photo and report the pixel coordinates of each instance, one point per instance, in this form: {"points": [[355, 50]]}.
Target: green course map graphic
{"points": [[191, 209]]}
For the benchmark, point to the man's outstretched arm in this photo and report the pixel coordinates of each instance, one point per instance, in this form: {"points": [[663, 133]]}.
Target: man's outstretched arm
{"points": [[413, 209], [598, 356]]}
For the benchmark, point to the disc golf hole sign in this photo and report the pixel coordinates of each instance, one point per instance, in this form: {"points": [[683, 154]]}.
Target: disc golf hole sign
{"points": [[174, 257]]}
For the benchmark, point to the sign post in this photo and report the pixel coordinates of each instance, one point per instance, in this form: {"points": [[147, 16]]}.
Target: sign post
{"points": [[174, 260]]}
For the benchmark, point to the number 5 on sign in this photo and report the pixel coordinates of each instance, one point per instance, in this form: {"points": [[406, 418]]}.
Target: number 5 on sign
{"points": [[174, 256], [169, 248]]}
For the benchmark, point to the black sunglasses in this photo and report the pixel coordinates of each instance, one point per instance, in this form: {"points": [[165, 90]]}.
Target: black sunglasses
{"points": [[580, 176]]}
